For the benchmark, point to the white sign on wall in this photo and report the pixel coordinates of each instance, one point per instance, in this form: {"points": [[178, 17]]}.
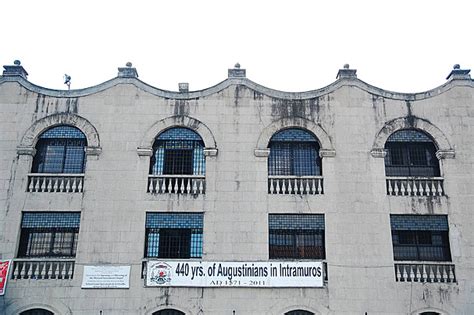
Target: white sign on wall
{"points": [[106, 277], [234, 274]]}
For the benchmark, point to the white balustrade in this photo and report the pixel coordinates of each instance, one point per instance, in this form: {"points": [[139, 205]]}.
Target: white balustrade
{"points": [[42, 269], [176, 184], [45, 182], [415, 186], [298, 185], [420, 272]]}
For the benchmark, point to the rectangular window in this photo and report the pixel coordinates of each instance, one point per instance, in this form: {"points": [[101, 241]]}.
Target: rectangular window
{"points": [[49, 234], [173, 235], [420, 237], [296, 236]]}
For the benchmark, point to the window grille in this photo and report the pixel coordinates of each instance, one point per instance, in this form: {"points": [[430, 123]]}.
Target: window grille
{"points": [[420, 237], [60, 150], [49, 234], [178, 151], [173, 235], [411, 153], [294, 152], [296, 236]]}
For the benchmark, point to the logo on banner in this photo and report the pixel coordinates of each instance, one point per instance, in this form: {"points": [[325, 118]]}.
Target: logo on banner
{"points": [[160, 273]]}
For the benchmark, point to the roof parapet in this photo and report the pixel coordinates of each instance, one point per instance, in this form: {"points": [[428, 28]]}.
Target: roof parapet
{"points": [[15, 70], [128, 71], [237, 72], [459, 74], [346, 72]]}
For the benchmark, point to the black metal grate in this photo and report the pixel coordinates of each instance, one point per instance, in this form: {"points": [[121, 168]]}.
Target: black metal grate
{"points": [[60, 150], [294, 152], [296, 236], [178, 151], [173, 235], [49, 234], [411, 153]]}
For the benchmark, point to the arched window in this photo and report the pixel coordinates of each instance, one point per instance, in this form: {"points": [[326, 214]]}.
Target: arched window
{"points": [[299, 312], [294, 152], [60, 149], [37, 311], [411, 153], [178, 164], [429, 313], [169, 311], [178, 151]]}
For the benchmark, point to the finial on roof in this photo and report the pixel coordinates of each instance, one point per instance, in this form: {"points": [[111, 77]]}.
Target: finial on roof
{"points": [[458, 73], [346, 72], [128, 71], [236, 72], [15, 70]]}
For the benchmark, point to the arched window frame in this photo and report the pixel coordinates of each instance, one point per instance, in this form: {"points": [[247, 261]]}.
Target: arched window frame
{"points": [[37, 311], [294, 152], [299, 312], [168, 311], [60, 149], [412, 153], [178, 151]]}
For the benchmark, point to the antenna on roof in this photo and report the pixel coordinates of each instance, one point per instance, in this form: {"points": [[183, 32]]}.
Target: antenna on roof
{"points": [[67, 81]]}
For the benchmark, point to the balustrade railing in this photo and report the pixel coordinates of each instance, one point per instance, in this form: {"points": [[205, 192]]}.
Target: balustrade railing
{"points": [[420, 272], [44, 182], [298, 185], [176, 184], [415, 186], [42, 269]]}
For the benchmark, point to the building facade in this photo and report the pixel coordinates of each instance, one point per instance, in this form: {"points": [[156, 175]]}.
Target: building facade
{"points": [[238, 199]]}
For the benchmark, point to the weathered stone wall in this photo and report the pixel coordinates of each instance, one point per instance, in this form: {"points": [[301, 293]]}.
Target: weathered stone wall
{"points": [[237, 117]]}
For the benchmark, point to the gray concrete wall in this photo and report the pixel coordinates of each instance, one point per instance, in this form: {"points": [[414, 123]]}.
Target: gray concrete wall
{"points": [[240, 115]]}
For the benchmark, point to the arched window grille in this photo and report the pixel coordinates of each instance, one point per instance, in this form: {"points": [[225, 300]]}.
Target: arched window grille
{"points": [[294, 152], [299, 312], [60, 149], [178, 151], [37, 311], [169, 311], [411, 153]]}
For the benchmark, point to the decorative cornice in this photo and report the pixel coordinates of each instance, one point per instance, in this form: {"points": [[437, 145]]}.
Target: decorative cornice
{"points": [[25, 150], [353, 82], [210, 151], [378, 153], [445, 154], [327, 153], [93, 151], [262, 152], [145, 151]]}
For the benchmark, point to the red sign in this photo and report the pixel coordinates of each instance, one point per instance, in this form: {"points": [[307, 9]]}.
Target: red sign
{"points": [[4, 266]]}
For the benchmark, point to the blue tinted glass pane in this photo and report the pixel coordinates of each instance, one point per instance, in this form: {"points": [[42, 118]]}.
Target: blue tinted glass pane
{"points": [[409, 135], [63, 132], [179, 133], [293, 134], [411, 222], [51, 220], [174, 220], [296, 222]]}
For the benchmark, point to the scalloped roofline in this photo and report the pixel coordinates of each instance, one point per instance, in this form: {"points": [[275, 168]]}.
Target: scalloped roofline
{"points": [[354, 81]]}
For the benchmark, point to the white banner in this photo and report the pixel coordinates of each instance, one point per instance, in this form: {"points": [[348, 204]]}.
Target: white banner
{"points": [[234, 274], [106, 277]]}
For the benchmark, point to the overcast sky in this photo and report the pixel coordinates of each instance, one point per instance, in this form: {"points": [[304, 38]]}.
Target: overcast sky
{"points": [[403, 45]]}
